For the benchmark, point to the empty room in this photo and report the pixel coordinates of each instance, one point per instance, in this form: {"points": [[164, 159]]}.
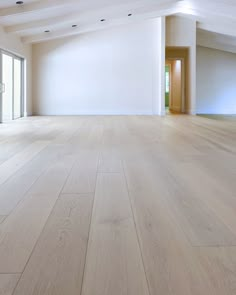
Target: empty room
{"points": [[117, 147]]}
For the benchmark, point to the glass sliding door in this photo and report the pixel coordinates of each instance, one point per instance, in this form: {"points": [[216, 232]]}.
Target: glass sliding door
{"points": [[7, 81], [17, 89], [11, 82]]}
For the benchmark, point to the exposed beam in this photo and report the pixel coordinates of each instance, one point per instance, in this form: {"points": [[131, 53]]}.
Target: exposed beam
{"points": [[209, 20], [216, 41], [217, 7], [203, 13], [41, 23], [223, 28], [97, 26], [33, 7]]}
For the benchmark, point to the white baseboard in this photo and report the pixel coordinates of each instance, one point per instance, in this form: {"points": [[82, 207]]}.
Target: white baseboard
{"points": [[100, 113]]}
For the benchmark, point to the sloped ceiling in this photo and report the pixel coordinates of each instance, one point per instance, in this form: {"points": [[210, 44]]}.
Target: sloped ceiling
{"points": [[62, 18]]}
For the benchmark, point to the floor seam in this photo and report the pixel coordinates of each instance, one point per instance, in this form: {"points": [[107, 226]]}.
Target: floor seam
{"points": [[90, 227], [136, 230]]}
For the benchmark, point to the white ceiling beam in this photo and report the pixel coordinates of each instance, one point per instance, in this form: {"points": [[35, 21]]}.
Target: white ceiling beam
{"points": [[69, 32], [223, 28], [98, 26], [210, 21], [203, 13], [221, 8], [216, 41], [33, 7], [41, 24]]}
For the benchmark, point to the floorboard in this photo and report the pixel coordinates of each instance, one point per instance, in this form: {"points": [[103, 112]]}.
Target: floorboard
{"points": [[113, 245], [11, 166]]}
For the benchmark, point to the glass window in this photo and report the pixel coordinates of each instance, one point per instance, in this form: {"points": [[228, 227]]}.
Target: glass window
{"points": [[167, 79]]}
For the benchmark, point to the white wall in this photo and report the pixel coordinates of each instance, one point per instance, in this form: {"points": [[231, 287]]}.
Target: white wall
{"points": [[115, 71], [216, 81], [14, 45], [182, 32]]}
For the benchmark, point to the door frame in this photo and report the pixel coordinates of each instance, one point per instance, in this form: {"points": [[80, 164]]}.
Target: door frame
{"points": [[21, 59]]}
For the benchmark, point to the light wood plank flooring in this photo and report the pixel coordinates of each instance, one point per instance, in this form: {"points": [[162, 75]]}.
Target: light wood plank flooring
{"points": [[118, 205]]}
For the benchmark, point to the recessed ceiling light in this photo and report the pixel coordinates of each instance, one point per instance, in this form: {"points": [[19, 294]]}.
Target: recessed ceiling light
{"points": [[74, 26], [130, 14], [47, 31], [19, 2], [103, 20]]}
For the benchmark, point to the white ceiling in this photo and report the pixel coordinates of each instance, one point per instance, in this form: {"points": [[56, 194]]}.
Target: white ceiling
{"points": [[34, 17]]}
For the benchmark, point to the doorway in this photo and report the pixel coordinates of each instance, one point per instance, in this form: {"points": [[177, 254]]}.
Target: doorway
{"points": [[174, 94], [11, 81], [177, 87]]}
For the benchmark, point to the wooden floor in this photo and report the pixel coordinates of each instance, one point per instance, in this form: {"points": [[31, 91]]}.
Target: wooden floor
{"points": [[118, 206]]}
